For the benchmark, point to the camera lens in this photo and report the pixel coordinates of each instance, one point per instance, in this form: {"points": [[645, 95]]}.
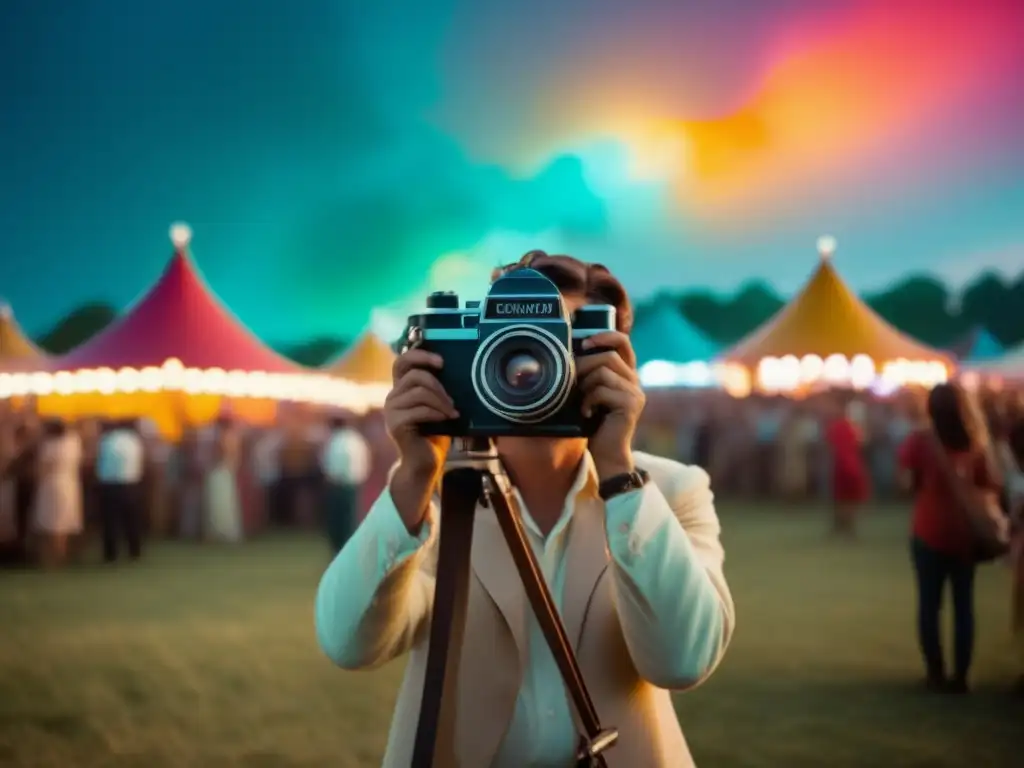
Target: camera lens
{"points": [[523, 371]]}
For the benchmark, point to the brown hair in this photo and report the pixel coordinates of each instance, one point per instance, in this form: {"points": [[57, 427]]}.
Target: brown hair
{"points": [[956, 418], [572, 276]]}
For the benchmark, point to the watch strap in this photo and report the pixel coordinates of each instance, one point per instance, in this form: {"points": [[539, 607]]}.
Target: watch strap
{"points": [[616, 485]]}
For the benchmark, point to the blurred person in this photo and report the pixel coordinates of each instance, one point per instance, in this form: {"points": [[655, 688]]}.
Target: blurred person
{"points": [[57, 504], [120, 464], [941, 535], [154, 479], [345, 464], [850, 485], [221, 502], [768, 419], [8, 451], [1014, 478], [296, 465], [628, 542], [23, 472], [191, 462], [266, 467], [89, 434], [793, 454], [252, 493]]}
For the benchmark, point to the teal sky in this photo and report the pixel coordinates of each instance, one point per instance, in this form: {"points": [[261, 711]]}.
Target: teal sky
{"points": [[333, 157]]}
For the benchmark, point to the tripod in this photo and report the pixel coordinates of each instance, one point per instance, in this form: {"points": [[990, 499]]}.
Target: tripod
{"points": [[474, 474]]}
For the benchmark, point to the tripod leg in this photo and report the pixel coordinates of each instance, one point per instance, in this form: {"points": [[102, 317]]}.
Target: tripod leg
{"points": [[435, 731], [544, 608]]}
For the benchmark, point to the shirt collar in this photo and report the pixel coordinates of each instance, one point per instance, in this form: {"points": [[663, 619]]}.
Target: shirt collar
{"points": [[584, 486]]}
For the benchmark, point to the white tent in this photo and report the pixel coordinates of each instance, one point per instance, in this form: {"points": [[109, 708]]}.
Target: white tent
{"points": [[1009, 366]]}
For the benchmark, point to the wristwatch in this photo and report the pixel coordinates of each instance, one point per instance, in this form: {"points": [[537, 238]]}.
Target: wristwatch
{"points": [[624, 483]]}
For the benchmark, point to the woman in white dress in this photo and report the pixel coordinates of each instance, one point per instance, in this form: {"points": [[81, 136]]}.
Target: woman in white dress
{"points": [[221, 501], [57, 508]]}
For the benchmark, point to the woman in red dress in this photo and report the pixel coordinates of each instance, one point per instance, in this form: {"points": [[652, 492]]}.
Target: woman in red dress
{"points": [[850, 484]]}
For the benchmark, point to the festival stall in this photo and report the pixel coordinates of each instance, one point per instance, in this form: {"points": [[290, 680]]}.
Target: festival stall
{"points": [[175, 357], [17, 352], [367, 362], [827, 336], [670, 351]]}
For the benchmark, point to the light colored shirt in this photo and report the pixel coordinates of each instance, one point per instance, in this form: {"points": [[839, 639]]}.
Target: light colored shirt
{"points": [[345, 458], [120, 457], [266, 458], [649, 551]]}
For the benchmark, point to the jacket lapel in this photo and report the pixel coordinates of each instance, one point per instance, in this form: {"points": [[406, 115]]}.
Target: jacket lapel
{"points": [[494, 567], [586, 560]]}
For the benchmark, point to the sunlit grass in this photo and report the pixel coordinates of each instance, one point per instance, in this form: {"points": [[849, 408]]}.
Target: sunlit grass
{"points": [[206, 657]]}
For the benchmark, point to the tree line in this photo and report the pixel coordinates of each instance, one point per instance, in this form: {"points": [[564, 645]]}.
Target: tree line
{"points": [[920, 305]]}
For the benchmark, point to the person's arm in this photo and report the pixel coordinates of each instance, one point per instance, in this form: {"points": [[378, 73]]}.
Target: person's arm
{"points": [[674, 605], [908, 460], [374, 601]]}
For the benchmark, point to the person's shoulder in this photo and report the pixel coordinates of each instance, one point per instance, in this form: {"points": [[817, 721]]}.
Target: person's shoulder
{"points": [[671, 476]]}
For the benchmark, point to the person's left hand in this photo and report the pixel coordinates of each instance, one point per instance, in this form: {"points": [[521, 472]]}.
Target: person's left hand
{"points": [[609, 380]]}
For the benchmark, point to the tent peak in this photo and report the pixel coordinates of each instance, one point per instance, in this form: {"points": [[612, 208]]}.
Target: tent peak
{"points": [[826, 247], [181, 236]]}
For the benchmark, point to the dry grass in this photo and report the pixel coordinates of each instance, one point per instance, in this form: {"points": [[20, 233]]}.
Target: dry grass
{"points": [[206, 657]]}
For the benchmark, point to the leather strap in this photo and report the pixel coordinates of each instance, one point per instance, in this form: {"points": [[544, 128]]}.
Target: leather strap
{"points": [[435, 733]]}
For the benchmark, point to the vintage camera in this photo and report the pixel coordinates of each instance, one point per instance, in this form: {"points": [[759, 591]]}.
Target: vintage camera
{"points": [[509, 361]]}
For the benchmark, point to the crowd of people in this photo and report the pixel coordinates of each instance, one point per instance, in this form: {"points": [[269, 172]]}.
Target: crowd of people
{"points": [[115, 483], [848, 450]]}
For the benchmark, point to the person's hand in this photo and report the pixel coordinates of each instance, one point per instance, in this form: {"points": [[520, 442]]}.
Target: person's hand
{"points": [[609, 380], [416, 398]]}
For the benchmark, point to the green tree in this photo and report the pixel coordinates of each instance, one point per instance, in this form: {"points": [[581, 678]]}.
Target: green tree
{"points": [[919, 306], [77, 327], [314, 352]]}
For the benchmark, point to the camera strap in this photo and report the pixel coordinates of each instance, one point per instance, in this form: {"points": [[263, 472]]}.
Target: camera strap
{"points": [[595, 739]]}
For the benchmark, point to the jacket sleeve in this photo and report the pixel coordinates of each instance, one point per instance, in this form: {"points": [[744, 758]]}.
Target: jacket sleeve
{"points": [[374, 600], [674, 605]]}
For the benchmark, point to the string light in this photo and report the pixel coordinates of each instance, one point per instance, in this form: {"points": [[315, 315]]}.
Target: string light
{"points": [[172, 376]]}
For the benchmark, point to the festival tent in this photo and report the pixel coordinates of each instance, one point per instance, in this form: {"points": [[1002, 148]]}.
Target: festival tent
{"points": [[368, 361], [669, 350], [826, 334], [1009, 366], [177, 357], [978, 345], [17, 352]]}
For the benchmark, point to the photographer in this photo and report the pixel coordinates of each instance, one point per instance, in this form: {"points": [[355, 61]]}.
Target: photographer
{"points": [[636, 574]]}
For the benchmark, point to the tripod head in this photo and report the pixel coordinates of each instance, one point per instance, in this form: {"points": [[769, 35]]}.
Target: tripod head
{"points": [[479, 454]]}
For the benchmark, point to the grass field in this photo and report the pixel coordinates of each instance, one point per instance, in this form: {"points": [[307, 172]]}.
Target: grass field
{"points": [[206, 657]]}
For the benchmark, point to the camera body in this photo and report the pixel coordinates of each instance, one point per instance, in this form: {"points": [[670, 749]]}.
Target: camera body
{"points": [[509, 361]]}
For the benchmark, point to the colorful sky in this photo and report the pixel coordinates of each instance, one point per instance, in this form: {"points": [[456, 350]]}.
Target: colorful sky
{"points": [[336, 157]]}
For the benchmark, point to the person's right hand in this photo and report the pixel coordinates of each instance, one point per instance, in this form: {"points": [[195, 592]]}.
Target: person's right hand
{"points": [[416, 398]]}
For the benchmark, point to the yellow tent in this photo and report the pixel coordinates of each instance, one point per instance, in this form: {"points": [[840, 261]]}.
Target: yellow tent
{"points": [[367, 361], [831, 332], [17, 352], [827, 318]]}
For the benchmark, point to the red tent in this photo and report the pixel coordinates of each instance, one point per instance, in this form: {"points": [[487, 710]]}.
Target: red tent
{"points": [[179, 318]]}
